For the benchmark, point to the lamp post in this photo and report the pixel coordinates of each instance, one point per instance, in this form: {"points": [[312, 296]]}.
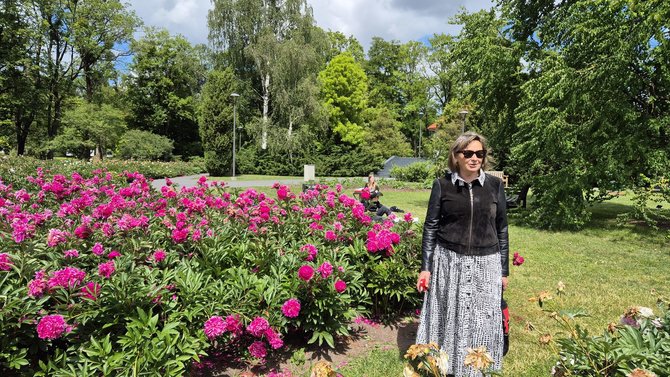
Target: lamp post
{"points": [[234, 95], [463, 113], [420, 131]]}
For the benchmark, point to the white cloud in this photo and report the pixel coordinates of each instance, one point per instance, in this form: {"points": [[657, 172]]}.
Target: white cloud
{"points": [[401, 20]]}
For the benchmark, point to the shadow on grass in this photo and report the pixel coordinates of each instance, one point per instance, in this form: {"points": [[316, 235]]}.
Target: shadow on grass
{"points": [[605, 217]]}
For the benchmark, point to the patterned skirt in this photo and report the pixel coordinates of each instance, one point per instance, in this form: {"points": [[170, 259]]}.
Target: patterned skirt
{"points": [[461, 309]]}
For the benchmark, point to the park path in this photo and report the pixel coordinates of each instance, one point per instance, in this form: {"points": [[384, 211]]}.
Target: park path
{"points": [[192, 180]]}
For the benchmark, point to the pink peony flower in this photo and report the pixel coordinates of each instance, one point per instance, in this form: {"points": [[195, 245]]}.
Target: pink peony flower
{"points": [[179, 235], [98, 249], [5, 262], [340, 286], [214, 327], [51, 327], [113, 254], [257, 349], [274, 339], [306, 272], [91, 290], [408, 217], [291, 308], [56, 237], [69, 277], [159, 255], [330, 235], [518, 260], [311, 251], [326, 269], [37, 286], [258, 326], [72, 253], [106, 269]]}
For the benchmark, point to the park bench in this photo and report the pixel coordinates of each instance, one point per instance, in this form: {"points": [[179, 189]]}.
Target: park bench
{"points": [[500, 174]]}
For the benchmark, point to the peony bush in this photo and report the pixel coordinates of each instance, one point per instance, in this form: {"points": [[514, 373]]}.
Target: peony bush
{"points": [[101, 274]]}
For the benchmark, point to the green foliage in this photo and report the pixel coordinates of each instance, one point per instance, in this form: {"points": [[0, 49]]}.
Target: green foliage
{"points": [[640, 340], [416, 172], [89, 126], [216, 122], [383, 135], [161, 93], [144, 145], [344, 89], [586, 111]]}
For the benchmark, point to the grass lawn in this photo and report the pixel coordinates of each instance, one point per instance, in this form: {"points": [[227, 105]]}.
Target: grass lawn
{"points": [[605, 268], [254, 177]]}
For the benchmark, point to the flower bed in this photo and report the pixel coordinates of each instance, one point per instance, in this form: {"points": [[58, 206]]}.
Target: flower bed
{"points": [[101, 274]]}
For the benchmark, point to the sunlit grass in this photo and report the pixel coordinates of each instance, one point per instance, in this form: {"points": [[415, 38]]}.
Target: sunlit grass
{"points": [[606, 268]]}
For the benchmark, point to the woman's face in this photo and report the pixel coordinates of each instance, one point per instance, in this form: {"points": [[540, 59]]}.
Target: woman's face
{"points": [[371, 179], [470, 166]]}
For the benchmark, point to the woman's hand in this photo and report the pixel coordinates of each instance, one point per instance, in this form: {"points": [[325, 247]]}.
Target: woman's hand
{"points": [[504, 282], [423, 282]]}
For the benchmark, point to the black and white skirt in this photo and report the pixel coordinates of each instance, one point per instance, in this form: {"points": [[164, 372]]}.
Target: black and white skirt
{"points": [[461, 309]]}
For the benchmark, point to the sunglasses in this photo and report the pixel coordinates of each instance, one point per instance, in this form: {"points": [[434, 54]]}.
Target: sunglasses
{"points": [[469, 154]]}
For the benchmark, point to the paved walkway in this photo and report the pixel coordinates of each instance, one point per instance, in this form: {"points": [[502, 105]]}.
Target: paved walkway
{"points": [[192, 180]]}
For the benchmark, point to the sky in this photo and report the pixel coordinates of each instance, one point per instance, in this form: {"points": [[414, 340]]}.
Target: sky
{"points": [[401, 20]]}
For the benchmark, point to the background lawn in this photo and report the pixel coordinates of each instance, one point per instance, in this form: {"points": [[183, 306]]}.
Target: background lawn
{"points": [[606, 268]]}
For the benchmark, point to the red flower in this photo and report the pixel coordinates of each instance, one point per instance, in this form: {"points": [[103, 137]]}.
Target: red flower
{"points": [[518, 260], [340, 286]]}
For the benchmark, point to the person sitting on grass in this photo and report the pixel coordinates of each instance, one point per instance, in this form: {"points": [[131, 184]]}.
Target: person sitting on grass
{"points": [[372, 203]]}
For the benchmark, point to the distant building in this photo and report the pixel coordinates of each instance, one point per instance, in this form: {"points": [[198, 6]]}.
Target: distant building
{"points": [[392, 161]]}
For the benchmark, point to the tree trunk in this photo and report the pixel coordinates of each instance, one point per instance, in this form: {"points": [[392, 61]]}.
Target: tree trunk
{"points": [[22, 124], [266, 110]]}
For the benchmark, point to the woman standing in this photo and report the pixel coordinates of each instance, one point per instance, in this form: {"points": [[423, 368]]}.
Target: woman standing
{"points": [[464, 264]]}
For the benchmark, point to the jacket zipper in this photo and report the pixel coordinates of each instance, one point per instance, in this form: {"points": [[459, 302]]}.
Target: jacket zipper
{"points": [[471, 216]]}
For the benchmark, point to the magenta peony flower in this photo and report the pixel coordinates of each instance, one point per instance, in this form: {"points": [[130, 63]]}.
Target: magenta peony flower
{"points": [[72, 253], [291, 308], [408, 217], [311, 251], [340, 286], [326, 269], [214, 327], [258, 326], [98, 249], [306, 272], [5, 262], [257, 349], [51, 327], [518, 260], [113, 254], [106, 269], [69, 277], [179, 235], [274, 339], [91, 290], [159, 255], [37, 286], [82, 231], [56, 237], [331, 236]]}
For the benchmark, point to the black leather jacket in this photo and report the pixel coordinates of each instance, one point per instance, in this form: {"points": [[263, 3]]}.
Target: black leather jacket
{"points": [[469, 220]]}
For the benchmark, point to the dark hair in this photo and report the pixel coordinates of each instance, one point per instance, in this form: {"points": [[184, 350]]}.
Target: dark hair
{"points": [[461, 142]]}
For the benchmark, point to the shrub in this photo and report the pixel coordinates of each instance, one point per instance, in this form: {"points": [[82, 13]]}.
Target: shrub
{"points": [[416, 172], [144, 145], [104, 275]]}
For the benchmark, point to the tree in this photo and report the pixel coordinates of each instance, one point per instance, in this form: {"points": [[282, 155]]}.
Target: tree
{"points": [[164, 79], [344, 90], [383, 135], [441, 63], [489, 73], [88, 126], [597, 96], [249, 33], [216, 122], [339, 43]]}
